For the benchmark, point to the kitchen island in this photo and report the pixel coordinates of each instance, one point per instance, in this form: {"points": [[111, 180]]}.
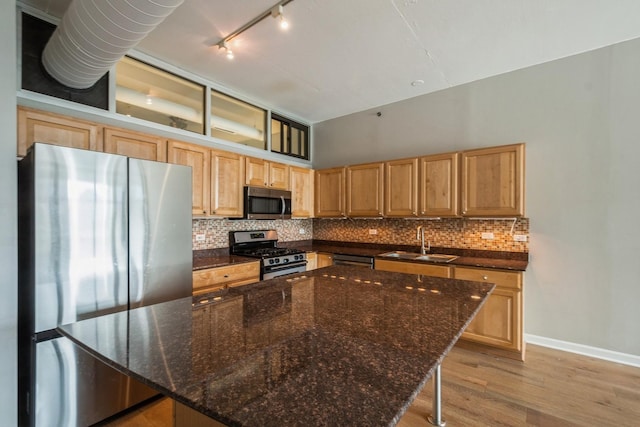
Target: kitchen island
{"points": [[335, 346]]}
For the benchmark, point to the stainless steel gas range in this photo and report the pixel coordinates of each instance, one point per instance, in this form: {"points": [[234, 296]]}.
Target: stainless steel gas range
{"points": [[263, 244]]}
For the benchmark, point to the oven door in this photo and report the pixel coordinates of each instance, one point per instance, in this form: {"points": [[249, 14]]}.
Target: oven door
{"points": [[282, 270]]}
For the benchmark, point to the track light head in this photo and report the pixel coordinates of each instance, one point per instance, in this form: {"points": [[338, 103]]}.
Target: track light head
{"points": [[278, 12], [223, 45]]}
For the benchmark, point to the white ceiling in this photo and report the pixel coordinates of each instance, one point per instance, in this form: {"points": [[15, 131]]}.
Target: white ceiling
{"points": [[344, 56]]}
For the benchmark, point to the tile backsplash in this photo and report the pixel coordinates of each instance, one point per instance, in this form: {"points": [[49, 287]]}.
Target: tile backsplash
{"points": [[446, 232], [216, 231]]}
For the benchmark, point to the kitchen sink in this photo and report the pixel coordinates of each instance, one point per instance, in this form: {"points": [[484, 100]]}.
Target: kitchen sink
{"points": [[401, 254], [418, 257], [436, 258]]}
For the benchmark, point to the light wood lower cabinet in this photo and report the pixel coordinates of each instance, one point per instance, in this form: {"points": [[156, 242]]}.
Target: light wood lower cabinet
{"points": [[212, 279], [498, 324], [183, 416], [413, 268], [312, 261], [324, 259], [135, 144], [40, 126]]}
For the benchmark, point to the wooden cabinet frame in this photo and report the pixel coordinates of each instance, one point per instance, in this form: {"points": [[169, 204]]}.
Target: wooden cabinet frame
{"points": [[365, 190], [493, 181]]}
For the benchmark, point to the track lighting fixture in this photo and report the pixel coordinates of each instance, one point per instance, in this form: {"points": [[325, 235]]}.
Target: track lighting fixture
{"points": [[276, 11], [229, 51]]}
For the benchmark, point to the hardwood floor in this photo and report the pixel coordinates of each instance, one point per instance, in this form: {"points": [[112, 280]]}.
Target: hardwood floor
{"points": [[552, 388]]}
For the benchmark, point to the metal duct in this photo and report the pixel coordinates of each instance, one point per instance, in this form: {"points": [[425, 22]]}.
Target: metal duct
{"points": [[95, 34]]}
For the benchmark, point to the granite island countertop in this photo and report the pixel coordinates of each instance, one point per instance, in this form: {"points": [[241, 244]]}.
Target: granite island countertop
{"points": [[336, 346]]}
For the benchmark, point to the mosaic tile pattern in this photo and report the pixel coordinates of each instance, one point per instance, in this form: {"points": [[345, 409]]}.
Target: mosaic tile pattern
{"points": [[446, 232], [216, 231]]}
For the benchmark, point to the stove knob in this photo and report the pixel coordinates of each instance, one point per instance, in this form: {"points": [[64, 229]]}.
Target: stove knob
{"points": [[285, 260], [277, 260], [270, 261], [296, 257]]}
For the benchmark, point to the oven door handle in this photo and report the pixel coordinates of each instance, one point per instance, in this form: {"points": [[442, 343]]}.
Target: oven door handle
{"points": [[280, 267]]}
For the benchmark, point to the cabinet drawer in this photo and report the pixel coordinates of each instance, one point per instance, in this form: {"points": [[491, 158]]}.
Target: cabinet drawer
{"points": [[504, 279], [413, 268], [244, 273]]}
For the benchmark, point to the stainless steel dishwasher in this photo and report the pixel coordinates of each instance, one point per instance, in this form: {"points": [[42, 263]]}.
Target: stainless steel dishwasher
{"points": [[353, 260]]}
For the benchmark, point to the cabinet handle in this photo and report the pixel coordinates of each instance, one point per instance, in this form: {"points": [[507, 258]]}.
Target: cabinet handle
{"points": [[204, 212], [213, 212], [226, 276], [485, 277]]}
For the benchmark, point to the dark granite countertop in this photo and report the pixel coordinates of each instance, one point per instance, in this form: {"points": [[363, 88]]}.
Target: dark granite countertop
{"points": [[517, 261], [211, 258], [335, 346]]}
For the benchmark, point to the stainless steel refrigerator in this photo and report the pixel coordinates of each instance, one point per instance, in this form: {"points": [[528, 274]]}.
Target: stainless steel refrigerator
{"points": [[98, 233]]}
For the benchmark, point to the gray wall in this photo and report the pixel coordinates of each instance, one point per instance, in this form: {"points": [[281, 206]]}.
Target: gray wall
{"points": [[8, 215], [580, 118]]}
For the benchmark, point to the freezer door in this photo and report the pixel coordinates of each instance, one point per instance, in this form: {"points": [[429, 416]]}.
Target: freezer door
{"points": [[160, 243], [75, 389], [79, 237]]}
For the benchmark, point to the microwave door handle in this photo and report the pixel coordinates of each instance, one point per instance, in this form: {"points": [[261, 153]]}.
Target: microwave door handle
{"points": [[284, 206]]}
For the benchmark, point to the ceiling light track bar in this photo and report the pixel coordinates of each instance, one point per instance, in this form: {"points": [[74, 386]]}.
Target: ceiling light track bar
{"points": [[267, 13]]}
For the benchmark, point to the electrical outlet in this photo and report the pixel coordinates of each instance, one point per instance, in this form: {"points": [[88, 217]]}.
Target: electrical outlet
{"points": [[487, 236], [373, 231], [302, 231], [200, 237], [519, 237]]}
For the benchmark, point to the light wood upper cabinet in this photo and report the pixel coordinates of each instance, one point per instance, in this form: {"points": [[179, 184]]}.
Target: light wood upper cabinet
{"points": [[279, 176], [499, 321], [198, 157], [329, 192], [227, 179], [135, 144], [401, 188], [439, 185], [262, 173], [301, 185], [39, 126], [365, 190], [493, 181], [257, 172]]}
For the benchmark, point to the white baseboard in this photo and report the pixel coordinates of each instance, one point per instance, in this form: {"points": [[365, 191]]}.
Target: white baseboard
{"points": [[598, 353]]}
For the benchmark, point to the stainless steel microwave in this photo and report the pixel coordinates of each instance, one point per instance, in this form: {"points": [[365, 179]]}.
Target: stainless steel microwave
{"points": [[266, 203]]}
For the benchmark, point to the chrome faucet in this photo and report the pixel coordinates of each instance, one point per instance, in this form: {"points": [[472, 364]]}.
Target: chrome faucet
{"points": [[420, 236]]}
